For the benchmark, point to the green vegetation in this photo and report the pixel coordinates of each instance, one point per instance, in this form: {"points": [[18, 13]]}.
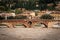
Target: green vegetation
{"points": [[2, 8], [17, 11], [28, 4], [46, 16]]}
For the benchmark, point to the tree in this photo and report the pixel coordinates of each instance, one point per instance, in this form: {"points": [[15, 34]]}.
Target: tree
{"points": [[28, 4], [8, 3], [2, 8], [46, 16], [43, 4]]}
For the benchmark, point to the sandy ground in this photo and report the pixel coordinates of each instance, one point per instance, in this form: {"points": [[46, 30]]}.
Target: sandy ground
{"points": [[29, 34]]}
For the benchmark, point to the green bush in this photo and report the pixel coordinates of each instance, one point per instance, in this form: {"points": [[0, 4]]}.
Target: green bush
{"points": [[17, 11], [51, 8], [46, 16], [2, 8]]}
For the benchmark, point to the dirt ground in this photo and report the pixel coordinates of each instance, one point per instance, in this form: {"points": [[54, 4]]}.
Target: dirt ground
{"points": [[29, 34]]}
